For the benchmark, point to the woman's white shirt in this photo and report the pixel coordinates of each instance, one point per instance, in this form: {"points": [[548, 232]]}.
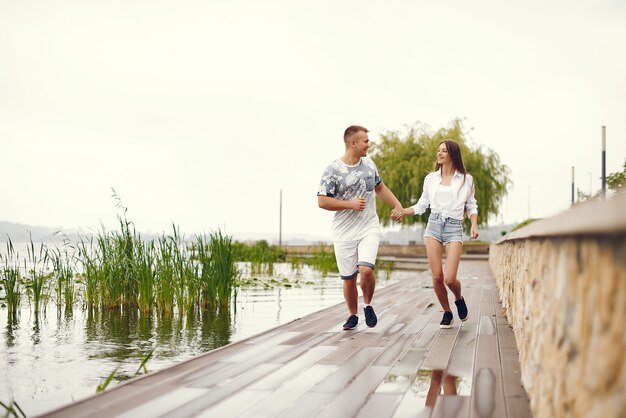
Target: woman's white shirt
{"points": [[462, 196], [444, 197]]}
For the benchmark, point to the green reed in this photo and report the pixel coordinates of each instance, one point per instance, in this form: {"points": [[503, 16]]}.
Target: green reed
{"points": [[145, 274], [10, 280], [167, 284], [87, 258], [63, 275], [12, 410], [260, 254], [322, 260], [217, 269], [36, 277]]}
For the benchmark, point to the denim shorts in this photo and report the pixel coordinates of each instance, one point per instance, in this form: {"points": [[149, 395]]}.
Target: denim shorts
{"points": [[444, 230]]}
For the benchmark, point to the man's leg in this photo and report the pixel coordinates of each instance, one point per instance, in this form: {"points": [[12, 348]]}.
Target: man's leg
{"points": [[368, 250], [351, 295], [346, 256], [368, 283]]}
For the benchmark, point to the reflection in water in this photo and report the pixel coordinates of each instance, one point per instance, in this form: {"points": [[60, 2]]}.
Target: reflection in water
{"points": [[12, 326], [121, 334], [440, 382], [436, 387]]}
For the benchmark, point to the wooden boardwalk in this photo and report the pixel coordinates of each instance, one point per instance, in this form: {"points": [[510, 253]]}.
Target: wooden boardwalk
{"points": [[404, 367]]}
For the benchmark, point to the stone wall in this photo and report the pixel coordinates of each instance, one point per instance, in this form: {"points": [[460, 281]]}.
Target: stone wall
{"points": [[562, 282]]}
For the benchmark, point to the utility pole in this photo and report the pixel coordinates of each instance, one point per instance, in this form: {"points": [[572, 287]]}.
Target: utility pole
{"points": [[572, 185], [280, 220], [603, 161], [528, 202]]}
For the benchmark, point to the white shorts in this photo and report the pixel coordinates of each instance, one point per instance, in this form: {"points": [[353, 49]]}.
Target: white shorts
{"points": [[351, 254]]}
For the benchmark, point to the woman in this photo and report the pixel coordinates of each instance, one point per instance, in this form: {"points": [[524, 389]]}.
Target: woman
{"points": [[449, 191]]}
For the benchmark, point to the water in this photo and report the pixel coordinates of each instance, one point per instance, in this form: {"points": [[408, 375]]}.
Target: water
{"points": [[63, 356]]}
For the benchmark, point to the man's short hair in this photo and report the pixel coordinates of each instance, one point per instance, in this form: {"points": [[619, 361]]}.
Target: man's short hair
{"points": [[351, 130]]}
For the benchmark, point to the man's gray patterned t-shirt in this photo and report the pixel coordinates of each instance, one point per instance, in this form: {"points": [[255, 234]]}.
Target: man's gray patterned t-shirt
{"points": [[347, 182]]}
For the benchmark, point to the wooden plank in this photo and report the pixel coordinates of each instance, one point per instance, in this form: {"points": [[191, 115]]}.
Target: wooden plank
{"points": [[500, 314], [393, 350], [350, 368], [506, 337], [289, 395], [233, 406], [296, 351], [261, 348], [347, 350], [349, 401], [237, 369], [511, 374], [486, 326], [414, 400], [309, 406], [380, 405], [384, 323], [223, 392], [487, 390], [427, 337], [289, 371], [518, 407], [462, 365], [403, 373], [164, 403], [451, 406], [467, 336], [418, 324], [439, 354]]}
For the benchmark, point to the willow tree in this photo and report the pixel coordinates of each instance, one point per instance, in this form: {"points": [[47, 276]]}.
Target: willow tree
{"points": [[404, 159]]}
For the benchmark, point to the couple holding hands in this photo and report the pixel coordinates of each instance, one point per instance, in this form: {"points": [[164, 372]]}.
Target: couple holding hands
{"points": [[348, 187]]}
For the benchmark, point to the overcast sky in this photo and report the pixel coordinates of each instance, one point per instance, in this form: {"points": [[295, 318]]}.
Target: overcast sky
{"points": [[200, 112]]}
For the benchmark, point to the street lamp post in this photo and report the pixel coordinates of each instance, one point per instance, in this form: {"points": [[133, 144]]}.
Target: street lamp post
{"points": [[604, 161], [572, 185], [280, 220]]}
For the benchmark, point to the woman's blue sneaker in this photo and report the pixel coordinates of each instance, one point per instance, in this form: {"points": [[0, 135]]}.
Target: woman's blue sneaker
{"points": [[461, 308], [446, 321]]}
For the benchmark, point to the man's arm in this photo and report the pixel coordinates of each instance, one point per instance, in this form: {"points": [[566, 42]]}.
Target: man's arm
{"points": [[334, 204], [389, 198]]}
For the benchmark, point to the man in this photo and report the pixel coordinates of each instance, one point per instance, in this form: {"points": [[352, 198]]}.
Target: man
{"points": [[347, 188]]}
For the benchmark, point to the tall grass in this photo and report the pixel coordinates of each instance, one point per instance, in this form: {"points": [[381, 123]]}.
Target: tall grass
{"points": [[118, 270], [63, 277], [217, 269], [10, 280], [322, 260], [260, 254], [35, 267]]}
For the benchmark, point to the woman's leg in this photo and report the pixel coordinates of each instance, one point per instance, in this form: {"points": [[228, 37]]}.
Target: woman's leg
{"points": [[453, 257], [434, 250]]}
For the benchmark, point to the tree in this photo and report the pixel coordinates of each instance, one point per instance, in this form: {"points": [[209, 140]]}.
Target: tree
{"points": [[616, 181], [404, 159]]}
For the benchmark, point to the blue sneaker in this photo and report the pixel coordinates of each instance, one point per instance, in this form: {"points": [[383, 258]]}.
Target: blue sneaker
{"points": [[351, 322], [461, 308], [446, 321], [370, 317]]}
